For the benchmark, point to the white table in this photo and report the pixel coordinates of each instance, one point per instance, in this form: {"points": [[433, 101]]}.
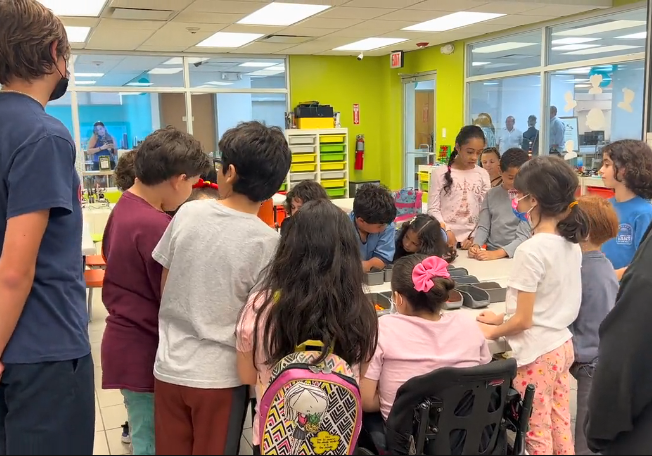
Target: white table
{"points": [[485, 271], [88, 246]]}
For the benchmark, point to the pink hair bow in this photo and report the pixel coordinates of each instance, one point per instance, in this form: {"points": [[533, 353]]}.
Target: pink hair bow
{"points": [[424, 272]]}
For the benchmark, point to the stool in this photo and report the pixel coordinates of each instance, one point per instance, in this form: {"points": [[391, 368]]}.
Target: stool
{"points": [[94, 279], [266, 212], [95, 262]]}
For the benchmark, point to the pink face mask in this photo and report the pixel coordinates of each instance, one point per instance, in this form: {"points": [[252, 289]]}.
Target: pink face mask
{"points": [[523, 216]]}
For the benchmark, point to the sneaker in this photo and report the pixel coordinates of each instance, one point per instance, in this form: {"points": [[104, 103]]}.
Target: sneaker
{"points": [[126, 437]]}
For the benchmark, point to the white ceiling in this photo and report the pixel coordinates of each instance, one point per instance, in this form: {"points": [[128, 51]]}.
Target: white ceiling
{"points": [[345, 22]]}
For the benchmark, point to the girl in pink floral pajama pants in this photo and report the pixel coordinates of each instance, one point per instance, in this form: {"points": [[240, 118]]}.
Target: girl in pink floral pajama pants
{"points": [[550, 425]]}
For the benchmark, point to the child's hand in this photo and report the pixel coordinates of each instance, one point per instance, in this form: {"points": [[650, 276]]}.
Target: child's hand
{"points": [[474, 250], [488, 255], [452, 241], [488, 331], [467, 243], [489, 318]]}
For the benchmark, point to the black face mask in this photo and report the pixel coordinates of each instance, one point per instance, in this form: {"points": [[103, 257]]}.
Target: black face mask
{"points": [[60, 89]]}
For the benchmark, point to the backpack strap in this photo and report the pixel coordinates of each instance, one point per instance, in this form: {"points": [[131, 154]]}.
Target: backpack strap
{"points": [[313, 345]]}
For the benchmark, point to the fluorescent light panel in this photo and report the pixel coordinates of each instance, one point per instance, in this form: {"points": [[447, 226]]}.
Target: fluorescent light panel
{"points": [[282, 14], [574, 47], [85, 8], [601, 28], [574, 40], [140, 84], [480, 63], [369, 44], [491, 83], [633, 36], [602, 49], [217, 83], [453, 21], [257, 64], [85, 82], [500, 47], [88, 75], [77, 34], [179, 60], [229, 40], [165, 70]]}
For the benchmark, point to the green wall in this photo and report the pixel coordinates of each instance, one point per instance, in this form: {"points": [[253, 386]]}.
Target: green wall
{"points": [[343, 81]]}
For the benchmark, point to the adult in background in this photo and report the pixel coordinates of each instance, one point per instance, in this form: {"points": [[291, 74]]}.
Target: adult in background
{"points": [[101, 144], [46, 384], [531, 136], [510, 136], [557, 131]]}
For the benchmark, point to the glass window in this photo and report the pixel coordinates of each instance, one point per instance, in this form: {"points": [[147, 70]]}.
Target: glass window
{"points": [[498, 107], [62, 109], [237, 73], [508, 53], [595, 105], [598, 37], [114, 122], [97, 70]]}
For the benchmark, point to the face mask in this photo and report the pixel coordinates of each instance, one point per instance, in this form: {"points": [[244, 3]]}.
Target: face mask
{"points": [[60, 89], [523, 216], [392, 307]]}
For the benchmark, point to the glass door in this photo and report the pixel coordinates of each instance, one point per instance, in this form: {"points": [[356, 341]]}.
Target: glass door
{"points": [[419, 129]]}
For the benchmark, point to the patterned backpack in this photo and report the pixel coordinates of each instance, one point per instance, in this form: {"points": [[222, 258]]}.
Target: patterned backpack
{"points": [[310, 409]]}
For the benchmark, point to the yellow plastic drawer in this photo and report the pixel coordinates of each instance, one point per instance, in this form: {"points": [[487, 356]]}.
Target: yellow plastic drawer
{"points": [[331, 139], [332, 166], [424, 176], [303, 167], [333, 183], [304, 158], [315, 123]]}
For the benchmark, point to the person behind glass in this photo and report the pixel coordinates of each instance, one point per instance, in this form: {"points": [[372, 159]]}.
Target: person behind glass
{"points": [[490, 161], [557, 132], [531, 137], [484, 121], [101, 144], [510, 136], [299, 195], [457, 190]]}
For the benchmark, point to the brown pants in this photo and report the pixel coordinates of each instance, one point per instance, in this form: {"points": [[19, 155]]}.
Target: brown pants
{"points": [[197, 421]]}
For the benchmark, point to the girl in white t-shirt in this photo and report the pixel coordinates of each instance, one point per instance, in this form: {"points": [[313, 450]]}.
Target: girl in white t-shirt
{"points": [[544, 292]]}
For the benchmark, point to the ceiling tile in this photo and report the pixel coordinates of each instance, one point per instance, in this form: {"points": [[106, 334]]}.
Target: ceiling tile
{"points": [[559, 10], [335, 24], [239, 28], [169, 5], [346, 12], [111, 36], [175, 33], [80, 21], [208, 18], [411, 15], [305, 31], [449, 5], [508, 7], [224, 6], [382, 3], [170, 47], [516, 20], [378, 26], [115, 24], [263, 48]]}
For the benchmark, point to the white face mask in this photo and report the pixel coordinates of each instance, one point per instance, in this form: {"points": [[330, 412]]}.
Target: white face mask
{"points": [[392, 301]]}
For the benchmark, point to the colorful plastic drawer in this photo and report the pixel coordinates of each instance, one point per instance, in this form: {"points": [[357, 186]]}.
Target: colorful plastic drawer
{"points": [[303, 167], [304, 158], [301, 140], [331, 157], [302, 149], [298, 177], [332, 166], [424, 186], [331, 148], [315, 123], [283, 187], [424, 176], [331, 139], [336, 192], [333, 183], [333, 175]]}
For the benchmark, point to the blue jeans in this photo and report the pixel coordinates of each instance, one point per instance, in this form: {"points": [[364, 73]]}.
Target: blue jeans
{"points": [[140, 411]]}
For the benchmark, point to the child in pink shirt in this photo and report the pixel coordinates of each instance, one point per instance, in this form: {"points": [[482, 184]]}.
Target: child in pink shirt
{"points": [[457, 190], [419, 338]]}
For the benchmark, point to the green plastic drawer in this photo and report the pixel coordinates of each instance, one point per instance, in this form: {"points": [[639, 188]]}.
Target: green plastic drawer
{"points": [[332, 157], [331, 148], [336, 192]]}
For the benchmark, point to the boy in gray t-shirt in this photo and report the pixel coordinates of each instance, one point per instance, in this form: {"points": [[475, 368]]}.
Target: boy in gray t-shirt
{"points": [[213, 254]]}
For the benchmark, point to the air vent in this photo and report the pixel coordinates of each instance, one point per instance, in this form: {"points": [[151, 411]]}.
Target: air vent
{"points": [[135, 14], [286, 39]]}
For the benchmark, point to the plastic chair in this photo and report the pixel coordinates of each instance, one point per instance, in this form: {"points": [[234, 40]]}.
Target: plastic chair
{"points": [[266, 212], [94, 279], [458, 411], [95, 262]]}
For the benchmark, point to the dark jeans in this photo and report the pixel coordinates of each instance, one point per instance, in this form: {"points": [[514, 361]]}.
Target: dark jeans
{"points": [[48, 408], [583, 373]]}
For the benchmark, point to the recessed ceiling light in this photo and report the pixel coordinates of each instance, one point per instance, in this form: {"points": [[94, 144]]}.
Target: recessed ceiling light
{"points": [[491, 83], [480, 63], [229, 40], [125, 94], [89, 75], [581, 70], [257, 64], [508, 46], [369, 44], [633, 36], [602, 49], [600, 28], [282, 14], [576, 80], [179, 60], [574, 47], [140, 84], [217, 83], [453, 21], [573, 40], [85, 82], [87, 8], [77, 34], [165, 70], [577, 86]]}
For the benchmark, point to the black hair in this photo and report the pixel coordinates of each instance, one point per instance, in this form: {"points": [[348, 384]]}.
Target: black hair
{"points": [[513, 158], [125, 173], [374, 204], [553, 183], [313, 290], [635, 159], [305, 191], [491, 150], [206, 192], [261, 158], [99, 124], [167, 153], [465, 135], [431, 301], [428, 230]]}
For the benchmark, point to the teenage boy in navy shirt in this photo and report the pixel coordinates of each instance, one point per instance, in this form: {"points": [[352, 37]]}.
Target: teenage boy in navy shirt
{"points": [[47, 388]]}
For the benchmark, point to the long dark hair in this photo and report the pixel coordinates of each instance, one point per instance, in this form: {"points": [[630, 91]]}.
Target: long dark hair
{"points": [[553, 183], [430, 301], [466, 134], [313, 290], [430, 235]]}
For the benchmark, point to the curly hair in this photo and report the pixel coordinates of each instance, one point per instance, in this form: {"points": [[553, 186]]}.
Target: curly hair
{"points": [[125, 173], [305, 191], [374, 204], [634, 158]]}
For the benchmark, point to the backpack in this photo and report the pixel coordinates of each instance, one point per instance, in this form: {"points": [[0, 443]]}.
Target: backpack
{"points": [[310, 409], [408, 203]]}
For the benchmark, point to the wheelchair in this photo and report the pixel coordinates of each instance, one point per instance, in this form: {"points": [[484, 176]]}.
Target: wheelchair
{"points": [[455, 411]]}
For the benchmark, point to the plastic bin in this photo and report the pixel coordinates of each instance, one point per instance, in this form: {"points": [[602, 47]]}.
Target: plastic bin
{"points": [[333, 175], [304, 158], [474, 298], [332, 157], [302, 149], [494, 290], [325, 139], [374, 278], [298, 177], [315, 123], [455, 300], [332, 166], [331, 148], [336, 192], [467, 279], [424, 176], [301, 140], [388, 272], [333, 183], [457, 272], [303, 167], [601, 192], [283, 187]]}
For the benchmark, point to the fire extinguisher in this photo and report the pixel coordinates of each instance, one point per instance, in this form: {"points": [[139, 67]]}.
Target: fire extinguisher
{"points": [[359, 152]]}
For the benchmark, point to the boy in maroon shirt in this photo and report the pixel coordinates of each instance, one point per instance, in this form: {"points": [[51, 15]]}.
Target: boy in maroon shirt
{"points": [[167, 164]]}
